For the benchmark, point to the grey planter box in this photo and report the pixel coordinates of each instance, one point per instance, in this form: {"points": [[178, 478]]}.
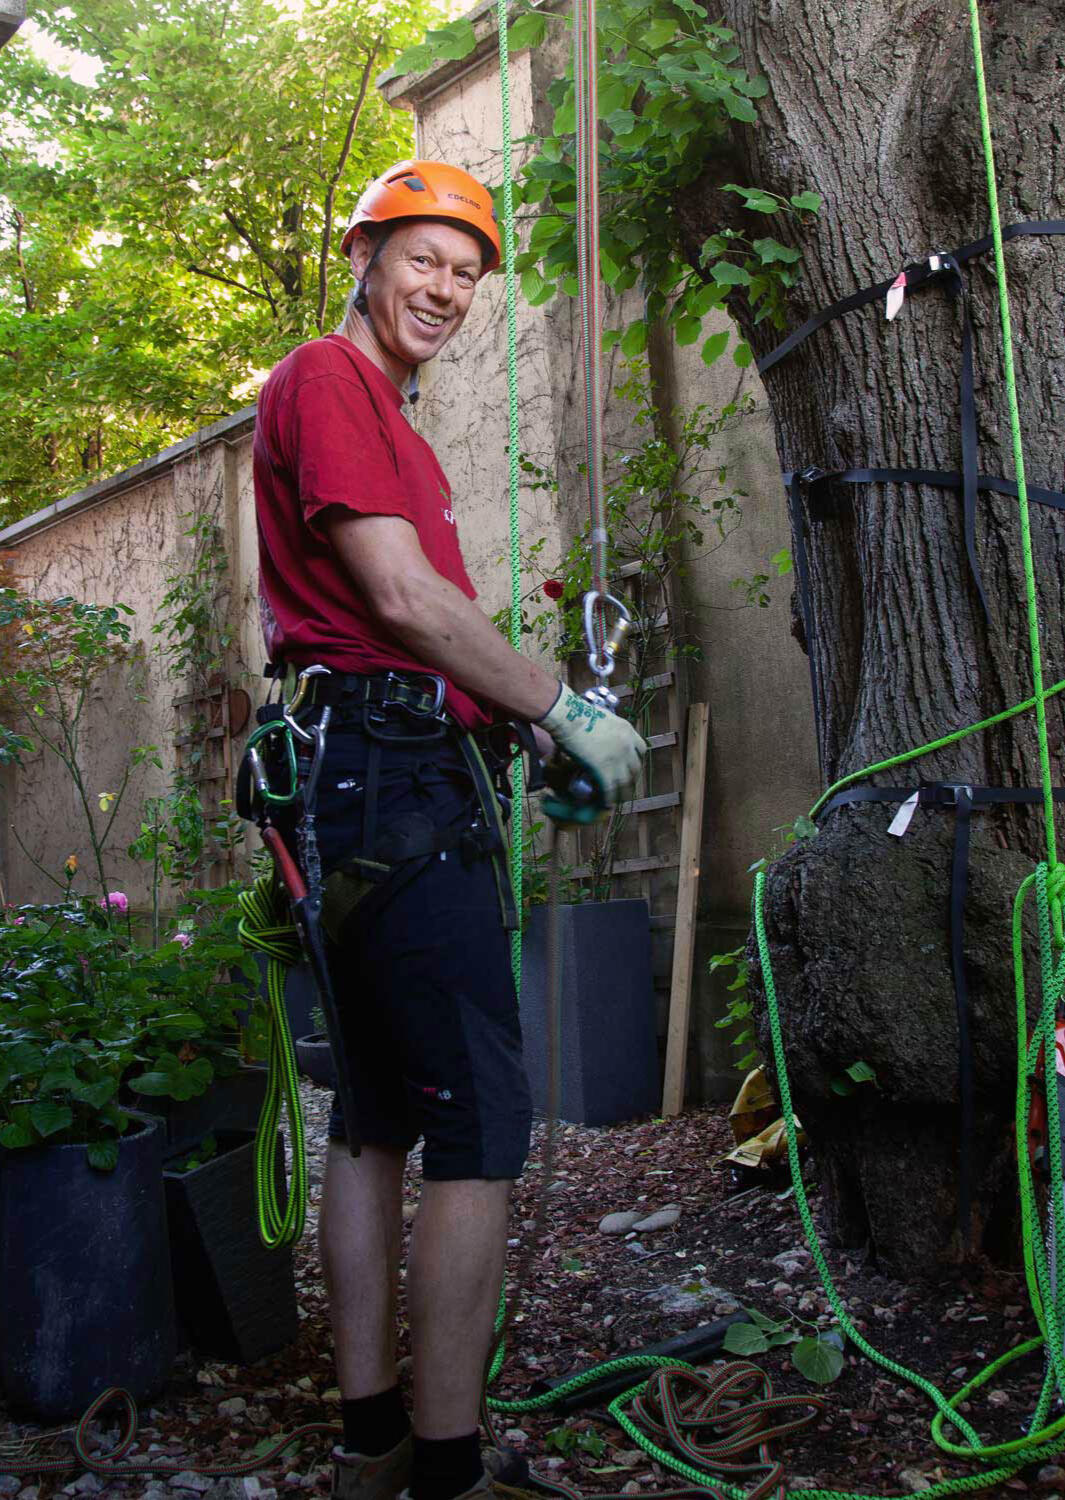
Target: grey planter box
{"points": [[609, 1048], [235, 1299]]}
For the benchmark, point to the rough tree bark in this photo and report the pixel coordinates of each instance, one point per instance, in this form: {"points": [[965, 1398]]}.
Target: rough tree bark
{"points": [[873, 104]]}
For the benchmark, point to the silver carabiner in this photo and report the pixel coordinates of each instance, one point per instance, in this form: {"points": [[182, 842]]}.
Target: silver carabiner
{"points": [[293, 707], [601, 661]]}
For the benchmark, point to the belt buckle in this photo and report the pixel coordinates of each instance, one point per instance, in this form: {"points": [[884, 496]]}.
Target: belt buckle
{"points": [[953, 790], [439, 689]]}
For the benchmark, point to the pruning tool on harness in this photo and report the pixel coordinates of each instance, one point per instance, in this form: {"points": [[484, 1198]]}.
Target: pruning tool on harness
{"points": [[300, 875]]}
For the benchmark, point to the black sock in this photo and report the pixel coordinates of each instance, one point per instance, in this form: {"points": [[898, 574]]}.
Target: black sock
{"points": [[374, 1424], [445, 1467]]}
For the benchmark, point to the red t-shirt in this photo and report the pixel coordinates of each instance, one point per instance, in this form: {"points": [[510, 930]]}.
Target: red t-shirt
{"points": [[330, 431]]}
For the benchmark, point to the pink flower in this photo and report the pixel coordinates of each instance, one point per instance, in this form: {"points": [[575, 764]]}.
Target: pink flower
{"points": [[117, 900], [184, 938]]}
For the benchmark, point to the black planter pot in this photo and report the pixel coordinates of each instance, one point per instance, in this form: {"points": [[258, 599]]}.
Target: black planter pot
{"points": [[609, 1049], [85, 1290], [315, 1059], [235, 1299], [232, 1103]]}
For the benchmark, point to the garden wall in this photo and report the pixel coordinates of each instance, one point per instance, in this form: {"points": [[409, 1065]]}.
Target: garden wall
{"points": [[122, 539]]}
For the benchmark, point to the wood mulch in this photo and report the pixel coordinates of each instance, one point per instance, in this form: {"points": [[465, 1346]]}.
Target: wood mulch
{"points": [[591, 1297]]}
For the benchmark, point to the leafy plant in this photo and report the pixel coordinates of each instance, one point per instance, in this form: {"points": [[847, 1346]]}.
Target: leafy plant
{"points": [[738, 1010], [817, 1356], [858, 1072], [53, 652], [567, 1441], [86, 1013], [671, 89], [206, 1151], [186, 198]]}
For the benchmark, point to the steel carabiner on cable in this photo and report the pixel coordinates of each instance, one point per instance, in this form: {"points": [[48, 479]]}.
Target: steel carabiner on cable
{"points": [[603, 653]]}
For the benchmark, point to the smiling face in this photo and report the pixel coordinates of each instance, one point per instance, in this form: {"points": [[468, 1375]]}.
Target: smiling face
{"points": [[419, 289]]}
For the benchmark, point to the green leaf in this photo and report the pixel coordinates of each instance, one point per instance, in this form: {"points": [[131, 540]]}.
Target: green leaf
{"points": [[808, 202], [742, 354], [655, 36], [861, 1072], [755, 199], [621, 121], [528, 30], [571, 1263], [634, 340], [152, 1083], [103, 1155], [48, 1117], [415, 59], [15, 1137], [534, 288], [687, 329], [608, 266], [817, 1360], [454, 41], [565, 121], [742, 109], [727, 274], [614, 93], [744, 1338], [715, 346], [769, 250]]}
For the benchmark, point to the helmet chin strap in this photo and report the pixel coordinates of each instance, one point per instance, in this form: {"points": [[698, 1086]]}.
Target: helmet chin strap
{"points": [[360, 303]]}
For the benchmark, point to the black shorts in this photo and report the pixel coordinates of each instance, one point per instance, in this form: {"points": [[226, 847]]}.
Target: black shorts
{"points": [[423, 984]]}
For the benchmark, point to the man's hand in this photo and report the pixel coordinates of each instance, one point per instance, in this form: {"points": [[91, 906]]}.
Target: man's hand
{"points": [[605, 745]]}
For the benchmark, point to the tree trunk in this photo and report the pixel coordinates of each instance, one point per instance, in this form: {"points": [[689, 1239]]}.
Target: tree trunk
{"points": [[873, 105]]}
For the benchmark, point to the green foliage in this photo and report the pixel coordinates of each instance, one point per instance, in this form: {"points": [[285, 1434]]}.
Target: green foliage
{"points": [[206, 1151], [738, 1010], [86, 1012], [169, 230], [567, 1441], [187, 620], [859, 1072], [671, 89], [51, 653], [817, 1356]]}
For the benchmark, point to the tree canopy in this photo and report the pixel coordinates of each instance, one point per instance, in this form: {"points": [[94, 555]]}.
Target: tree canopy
{"points": [[169, 230]]}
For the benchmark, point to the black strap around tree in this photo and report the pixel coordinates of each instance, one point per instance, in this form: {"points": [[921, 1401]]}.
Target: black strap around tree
{"points": [[961, 798]]}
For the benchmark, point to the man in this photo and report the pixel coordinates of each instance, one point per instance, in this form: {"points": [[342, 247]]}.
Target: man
{"points": [[361, 572]]}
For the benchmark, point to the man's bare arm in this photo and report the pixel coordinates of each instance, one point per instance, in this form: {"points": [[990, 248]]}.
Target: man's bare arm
{"points": [[435, 621]]}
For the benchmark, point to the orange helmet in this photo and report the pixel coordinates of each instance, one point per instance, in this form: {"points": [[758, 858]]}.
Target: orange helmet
{"points": [[430, 190]]}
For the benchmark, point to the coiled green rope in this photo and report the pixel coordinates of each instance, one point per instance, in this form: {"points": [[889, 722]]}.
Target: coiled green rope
{"points": [[266, 926]]}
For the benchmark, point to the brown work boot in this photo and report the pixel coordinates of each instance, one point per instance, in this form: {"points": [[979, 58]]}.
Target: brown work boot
{"points": [[357, 1477]]}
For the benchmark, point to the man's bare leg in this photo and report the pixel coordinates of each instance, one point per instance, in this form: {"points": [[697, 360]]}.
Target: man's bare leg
{"points": [[456, 1269], [359, 1237]]}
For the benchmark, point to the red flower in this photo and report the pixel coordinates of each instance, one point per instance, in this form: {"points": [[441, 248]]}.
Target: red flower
{"points": [[553, 589]]}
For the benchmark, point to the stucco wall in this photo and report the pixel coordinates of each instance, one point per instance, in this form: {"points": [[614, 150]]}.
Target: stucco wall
{"points": [[118, 542]]}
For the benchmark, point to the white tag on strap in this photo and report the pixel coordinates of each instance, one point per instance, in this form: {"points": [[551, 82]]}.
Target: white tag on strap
{"points": [[902, 819]]}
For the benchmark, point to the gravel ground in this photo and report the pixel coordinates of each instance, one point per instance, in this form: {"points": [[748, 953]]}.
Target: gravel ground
{"points": [[590, 1296]]}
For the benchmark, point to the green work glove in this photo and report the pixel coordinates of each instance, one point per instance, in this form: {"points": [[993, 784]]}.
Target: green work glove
{"points": [[608, 747]]}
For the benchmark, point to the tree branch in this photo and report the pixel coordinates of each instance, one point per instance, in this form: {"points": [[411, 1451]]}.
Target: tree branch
{"points": [[19, 219], [251, 242], [327, 227]]}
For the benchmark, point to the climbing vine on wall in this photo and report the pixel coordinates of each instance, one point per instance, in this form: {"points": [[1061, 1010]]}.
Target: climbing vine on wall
{"points": [[671, 88]]}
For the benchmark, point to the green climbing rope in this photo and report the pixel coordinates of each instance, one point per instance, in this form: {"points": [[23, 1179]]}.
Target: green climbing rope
{"points": [[513, 455], [266, 926], [1018, 458]]}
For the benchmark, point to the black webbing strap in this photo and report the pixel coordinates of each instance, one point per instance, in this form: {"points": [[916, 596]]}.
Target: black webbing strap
{"points": [[917, 275], [960, 798], [797, 480]]}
